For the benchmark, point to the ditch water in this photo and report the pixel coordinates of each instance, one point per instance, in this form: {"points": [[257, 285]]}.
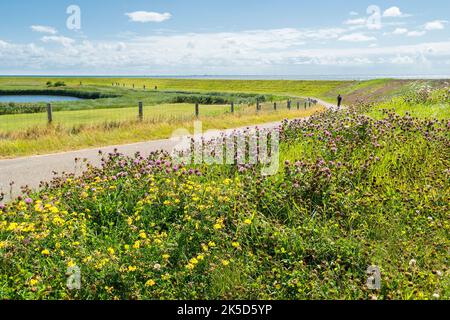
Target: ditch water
{"points": [[35, 98]]}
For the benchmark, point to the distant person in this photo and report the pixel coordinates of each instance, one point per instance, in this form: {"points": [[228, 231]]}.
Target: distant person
{"points": [[339, 101]]}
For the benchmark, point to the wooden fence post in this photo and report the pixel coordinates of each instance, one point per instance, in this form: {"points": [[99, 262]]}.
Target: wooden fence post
{"points": [[197, 110], [232, 107], [274, 106], [257, 105], [141, 111], [298, 105], [289, 104], [305, 105], [49, 113]]}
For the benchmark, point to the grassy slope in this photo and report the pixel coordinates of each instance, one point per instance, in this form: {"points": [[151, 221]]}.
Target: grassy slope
{"points": [[424, 110], [294, 88]]}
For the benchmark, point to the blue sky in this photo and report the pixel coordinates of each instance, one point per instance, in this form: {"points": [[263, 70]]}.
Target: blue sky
{"points": [[187, 37]]}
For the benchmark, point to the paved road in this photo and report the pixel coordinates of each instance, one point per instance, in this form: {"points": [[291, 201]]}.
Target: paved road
{"points": [[30, 171]]}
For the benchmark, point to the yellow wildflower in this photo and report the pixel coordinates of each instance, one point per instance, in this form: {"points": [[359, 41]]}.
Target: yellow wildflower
{"points": [[143, 235], [71, 264], [45, 252], [33, 282], [137, 245], [225, 262], [190, 266], [219, 224], [200, 257], [131, 268], [150, 283], [211, 244]]}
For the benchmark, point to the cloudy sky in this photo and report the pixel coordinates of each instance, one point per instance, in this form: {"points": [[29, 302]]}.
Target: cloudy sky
{"points": [[225, 37]]}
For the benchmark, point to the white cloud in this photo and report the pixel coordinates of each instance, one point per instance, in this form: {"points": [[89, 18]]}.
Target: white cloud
{"points": [[356, 22], [254, 52], [400, 31], [353, 13], [416, 33], [402, 60], [435, 25], [58, 39], [44, 29], [357, 37], [3, 44], [145, 16], [393, 12]]}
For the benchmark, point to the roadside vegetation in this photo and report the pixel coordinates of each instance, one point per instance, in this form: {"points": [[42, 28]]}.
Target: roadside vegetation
{"points": [[365, 186]]}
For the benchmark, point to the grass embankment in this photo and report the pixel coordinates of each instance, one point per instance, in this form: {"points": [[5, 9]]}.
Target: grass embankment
{"points": [[351, 192], [327, 90], [280, 87], [422, 103]]}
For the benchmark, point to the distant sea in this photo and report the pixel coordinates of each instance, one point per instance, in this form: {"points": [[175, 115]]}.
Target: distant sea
{"points": [[249, 77]]}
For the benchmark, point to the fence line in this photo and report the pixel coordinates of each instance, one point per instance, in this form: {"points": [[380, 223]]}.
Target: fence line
{"points": [[24, 121]]}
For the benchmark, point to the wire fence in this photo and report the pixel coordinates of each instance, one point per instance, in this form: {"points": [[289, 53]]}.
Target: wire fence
{"points": [[10, 123]]}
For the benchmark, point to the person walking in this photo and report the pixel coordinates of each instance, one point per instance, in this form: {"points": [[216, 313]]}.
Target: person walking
{"points": [[339, 101]]}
